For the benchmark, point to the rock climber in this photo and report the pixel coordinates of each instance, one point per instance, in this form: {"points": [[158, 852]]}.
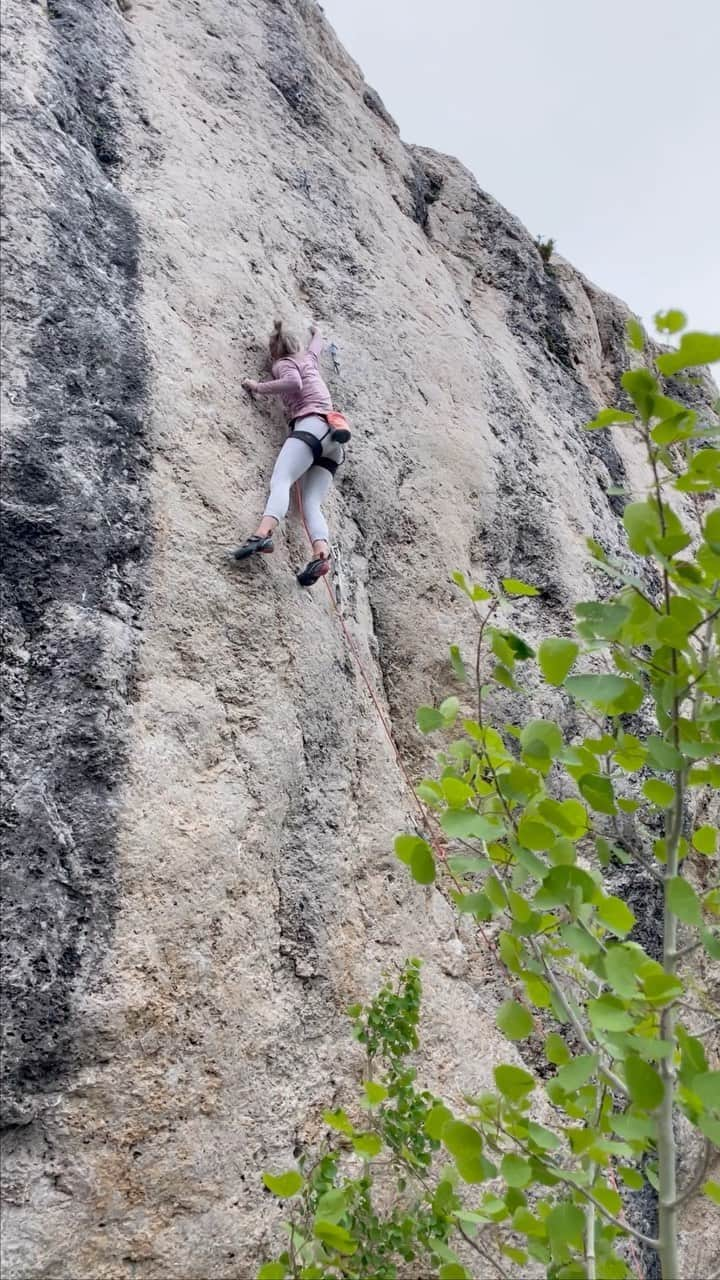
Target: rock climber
{"points": [[312, 453]]}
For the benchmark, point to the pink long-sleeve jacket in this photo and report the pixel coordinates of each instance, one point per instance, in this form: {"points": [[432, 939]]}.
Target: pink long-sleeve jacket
{"points": [[298, 380]]}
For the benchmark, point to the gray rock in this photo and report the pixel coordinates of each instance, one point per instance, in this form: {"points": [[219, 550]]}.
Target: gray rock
{"points": [[200, 797]]}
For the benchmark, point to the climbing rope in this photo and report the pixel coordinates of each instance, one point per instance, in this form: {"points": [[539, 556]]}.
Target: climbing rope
{"points": [[427, 822]]}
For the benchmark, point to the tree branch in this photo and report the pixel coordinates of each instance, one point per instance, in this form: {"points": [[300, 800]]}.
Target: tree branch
{"points": [[698, 1177], [577, 1026]]}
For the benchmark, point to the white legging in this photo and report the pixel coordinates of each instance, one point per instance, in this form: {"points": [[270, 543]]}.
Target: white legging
{"points": [[295, 462]]}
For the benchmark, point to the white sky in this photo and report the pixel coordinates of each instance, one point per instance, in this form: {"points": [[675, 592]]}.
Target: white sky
{"points": [[597, 122]]}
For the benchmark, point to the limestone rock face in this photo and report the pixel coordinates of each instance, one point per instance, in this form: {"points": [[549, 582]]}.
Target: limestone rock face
{"points": [[200, 796]]}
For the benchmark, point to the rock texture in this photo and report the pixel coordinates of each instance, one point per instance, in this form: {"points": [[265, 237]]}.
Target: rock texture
{"points": [[200, 797]]}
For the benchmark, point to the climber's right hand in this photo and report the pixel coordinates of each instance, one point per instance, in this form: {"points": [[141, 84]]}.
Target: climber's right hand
{"points": [[248, 384]]}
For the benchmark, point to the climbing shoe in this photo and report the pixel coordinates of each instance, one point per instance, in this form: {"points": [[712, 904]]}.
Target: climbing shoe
{"points": [[252, 546], [315, 569]]}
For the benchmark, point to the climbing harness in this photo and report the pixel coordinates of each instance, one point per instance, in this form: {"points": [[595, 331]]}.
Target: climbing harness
{"points": [[338, 431]]}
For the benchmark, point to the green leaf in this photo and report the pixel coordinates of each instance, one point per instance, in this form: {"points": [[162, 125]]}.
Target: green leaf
{"points": [[514, 1020], [669, 321], [463, 864], [515, 1255], [702, 476], [453, 1271], [562, 853], [659, 987], [631, 1177], [630, 753], [543, 1138], [375, 1093], [601, 621], [608, 1013], [633, 1127], [684, 616], [556, 1050], [519, 783], [707, 1087], [644, 1084], [556, 657], [695, 349], [661, 755], [659, 793], [711, 529], [516, 1171], [541, 740], [564, 884], [606, 417], [579, 941], [338, 1120], [527, 1224], [283, 1185], [471, 590], [705, 840], [615, 914], [635, 333], [711, 943], [679, 427], [367, 1144], [332, 1205], [577, 1072], [712, 1190], [448, 709], [641, 387], [456, 792], [513, 1082], [466, 1145], [621, 963], [273, 1271], [613, 694], [694, 1059], [565, 1224], [422, 863], [502, 675], [597, 789], [476, 904], [520, 648], [568, 816], [457, 663], [535, 835], [514, 587], [465, 824], [428, 719], [435, 1121], [462, 1139], [609, 1198], [682, 900], [710, 1127], [405, 847], [643, 527], [334, 1236]]}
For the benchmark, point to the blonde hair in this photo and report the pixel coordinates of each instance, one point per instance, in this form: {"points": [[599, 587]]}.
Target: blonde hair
{"points": [[282, 343]]}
